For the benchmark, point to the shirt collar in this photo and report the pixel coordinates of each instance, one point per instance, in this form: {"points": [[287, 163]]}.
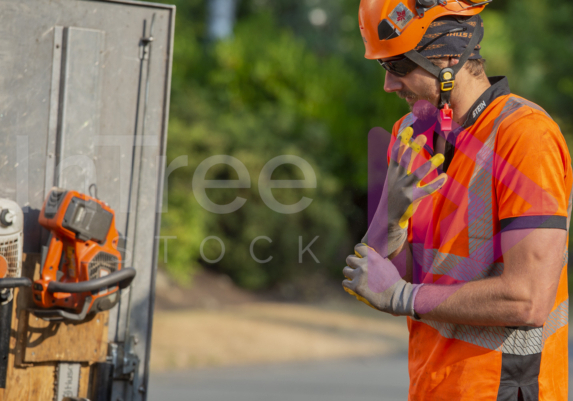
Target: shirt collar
{"points": [[499, 87]]}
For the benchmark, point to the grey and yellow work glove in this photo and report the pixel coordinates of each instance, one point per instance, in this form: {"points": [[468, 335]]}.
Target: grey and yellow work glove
{"points": [[375, 281], [402, 193]]}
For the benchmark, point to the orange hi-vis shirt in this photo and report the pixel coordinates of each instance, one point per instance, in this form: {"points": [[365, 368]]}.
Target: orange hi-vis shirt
{"points": [[508, 169]]}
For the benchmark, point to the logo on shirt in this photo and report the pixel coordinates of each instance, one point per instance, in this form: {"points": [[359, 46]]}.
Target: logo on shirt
{"points": [[479, 109]]}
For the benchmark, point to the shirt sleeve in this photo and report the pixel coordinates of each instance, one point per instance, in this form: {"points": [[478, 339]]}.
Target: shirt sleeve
{"points": [[532, 171]]}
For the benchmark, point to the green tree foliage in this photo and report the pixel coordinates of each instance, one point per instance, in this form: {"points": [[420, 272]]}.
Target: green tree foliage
{"points": [[264, 93], [531, 42], [285, 86]]}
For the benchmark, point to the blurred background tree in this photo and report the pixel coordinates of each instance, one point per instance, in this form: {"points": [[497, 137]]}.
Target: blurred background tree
{"points": [[280, 77]]}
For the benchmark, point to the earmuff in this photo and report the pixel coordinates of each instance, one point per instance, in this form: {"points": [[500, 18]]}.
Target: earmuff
{"points": [[424, 5]]}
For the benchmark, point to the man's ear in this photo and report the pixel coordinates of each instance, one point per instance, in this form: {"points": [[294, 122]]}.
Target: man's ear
{"points": [[441, 62], [453, 61]]}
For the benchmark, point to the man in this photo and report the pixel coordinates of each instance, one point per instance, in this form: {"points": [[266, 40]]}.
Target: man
{"points": [[474, 252]]}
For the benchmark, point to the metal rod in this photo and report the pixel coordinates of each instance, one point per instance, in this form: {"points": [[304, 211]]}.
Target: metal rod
{"points": [[149, 42], [159, 199], [132, 177]]}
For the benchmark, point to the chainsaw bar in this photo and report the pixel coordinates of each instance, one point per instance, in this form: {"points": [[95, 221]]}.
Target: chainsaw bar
{"points": [[67, 383]]}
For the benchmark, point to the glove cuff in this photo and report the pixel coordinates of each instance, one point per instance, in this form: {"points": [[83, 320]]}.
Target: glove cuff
{"points": [[417, 287], [403, 298]]}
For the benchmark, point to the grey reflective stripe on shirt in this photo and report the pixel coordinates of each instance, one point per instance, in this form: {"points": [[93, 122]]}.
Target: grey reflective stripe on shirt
{"points": [[522, 342], [480, 194], [557, 319], [508, 340]]}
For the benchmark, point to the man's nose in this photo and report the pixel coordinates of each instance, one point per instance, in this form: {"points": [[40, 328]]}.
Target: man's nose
{"points": [[392, 83]]}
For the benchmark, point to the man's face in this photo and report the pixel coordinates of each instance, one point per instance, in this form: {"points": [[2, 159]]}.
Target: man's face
{"points": [[417, 85]]}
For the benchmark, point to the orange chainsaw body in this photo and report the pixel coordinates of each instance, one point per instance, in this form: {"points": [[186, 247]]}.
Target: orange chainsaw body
{"points": [[82, 246]]}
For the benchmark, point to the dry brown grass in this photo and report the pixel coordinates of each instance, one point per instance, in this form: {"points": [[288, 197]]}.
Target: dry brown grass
{"points": [[268, 332]]}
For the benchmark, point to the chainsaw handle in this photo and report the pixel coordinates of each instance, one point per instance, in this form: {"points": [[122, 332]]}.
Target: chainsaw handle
{"points": [[14, 282], [123, 278]]}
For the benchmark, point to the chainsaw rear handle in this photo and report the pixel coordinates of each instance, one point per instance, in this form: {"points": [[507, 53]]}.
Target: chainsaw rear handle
{"points": [[123, 278], [14, 282]]}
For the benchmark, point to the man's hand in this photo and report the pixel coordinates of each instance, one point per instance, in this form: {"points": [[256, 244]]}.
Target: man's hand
{"points": [[375, 281], [402, 193]]}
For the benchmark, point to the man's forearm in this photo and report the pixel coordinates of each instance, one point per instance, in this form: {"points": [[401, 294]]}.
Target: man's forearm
{"points": [[483, 302], [522, 296]]}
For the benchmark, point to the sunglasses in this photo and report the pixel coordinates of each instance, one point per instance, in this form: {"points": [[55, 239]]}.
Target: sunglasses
{"points": [[399, 67], [402, 66]]}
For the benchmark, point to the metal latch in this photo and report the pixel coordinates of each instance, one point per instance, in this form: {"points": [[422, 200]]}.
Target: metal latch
{"points": [[124, 360]]}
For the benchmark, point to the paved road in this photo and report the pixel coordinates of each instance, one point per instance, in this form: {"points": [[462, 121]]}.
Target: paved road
{"points": [[358, 380], [382, 379]]}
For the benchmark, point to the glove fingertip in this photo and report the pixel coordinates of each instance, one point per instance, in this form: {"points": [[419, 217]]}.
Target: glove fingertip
{"points": [[358, 250], [345, 286], [406, 135], [438, 160]]}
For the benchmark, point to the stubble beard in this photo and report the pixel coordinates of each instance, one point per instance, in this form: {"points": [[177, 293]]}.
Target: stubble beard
{"points": [[423, 105]]}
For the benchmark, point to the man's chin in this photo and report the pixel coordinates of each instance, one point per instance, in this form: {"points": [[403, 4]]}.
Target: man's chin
{"points": [[412, 103], [423, 109], [422, 106]]}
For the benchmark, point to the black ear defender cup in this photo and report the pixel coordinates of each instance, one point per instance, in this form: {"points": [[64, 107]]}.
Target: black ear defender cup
{"points": [[424, 5], [427, 3]]}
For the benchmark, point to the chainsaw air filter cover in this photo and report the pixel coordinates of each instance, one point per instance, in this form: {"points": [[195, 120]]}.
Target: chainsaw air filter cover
{"points": [[102, 265]]}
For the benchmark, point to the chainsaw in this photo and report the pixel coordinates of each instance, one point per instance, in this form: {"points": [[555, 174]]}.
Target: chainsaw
{"points": [[82, 271]]}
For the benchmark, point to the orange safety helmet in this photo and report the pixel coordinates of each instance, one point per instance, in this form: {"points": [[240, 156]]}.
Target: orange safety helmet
{"points": [[394, 27]]}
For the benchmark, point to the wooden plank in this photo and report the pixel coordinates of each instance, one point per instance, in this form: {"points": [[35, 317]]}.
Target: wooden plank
{"points": [[18, 381], [84, 380], [35, 381], [25, 383], [38, 383], [23, 301], [50, 341]]}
